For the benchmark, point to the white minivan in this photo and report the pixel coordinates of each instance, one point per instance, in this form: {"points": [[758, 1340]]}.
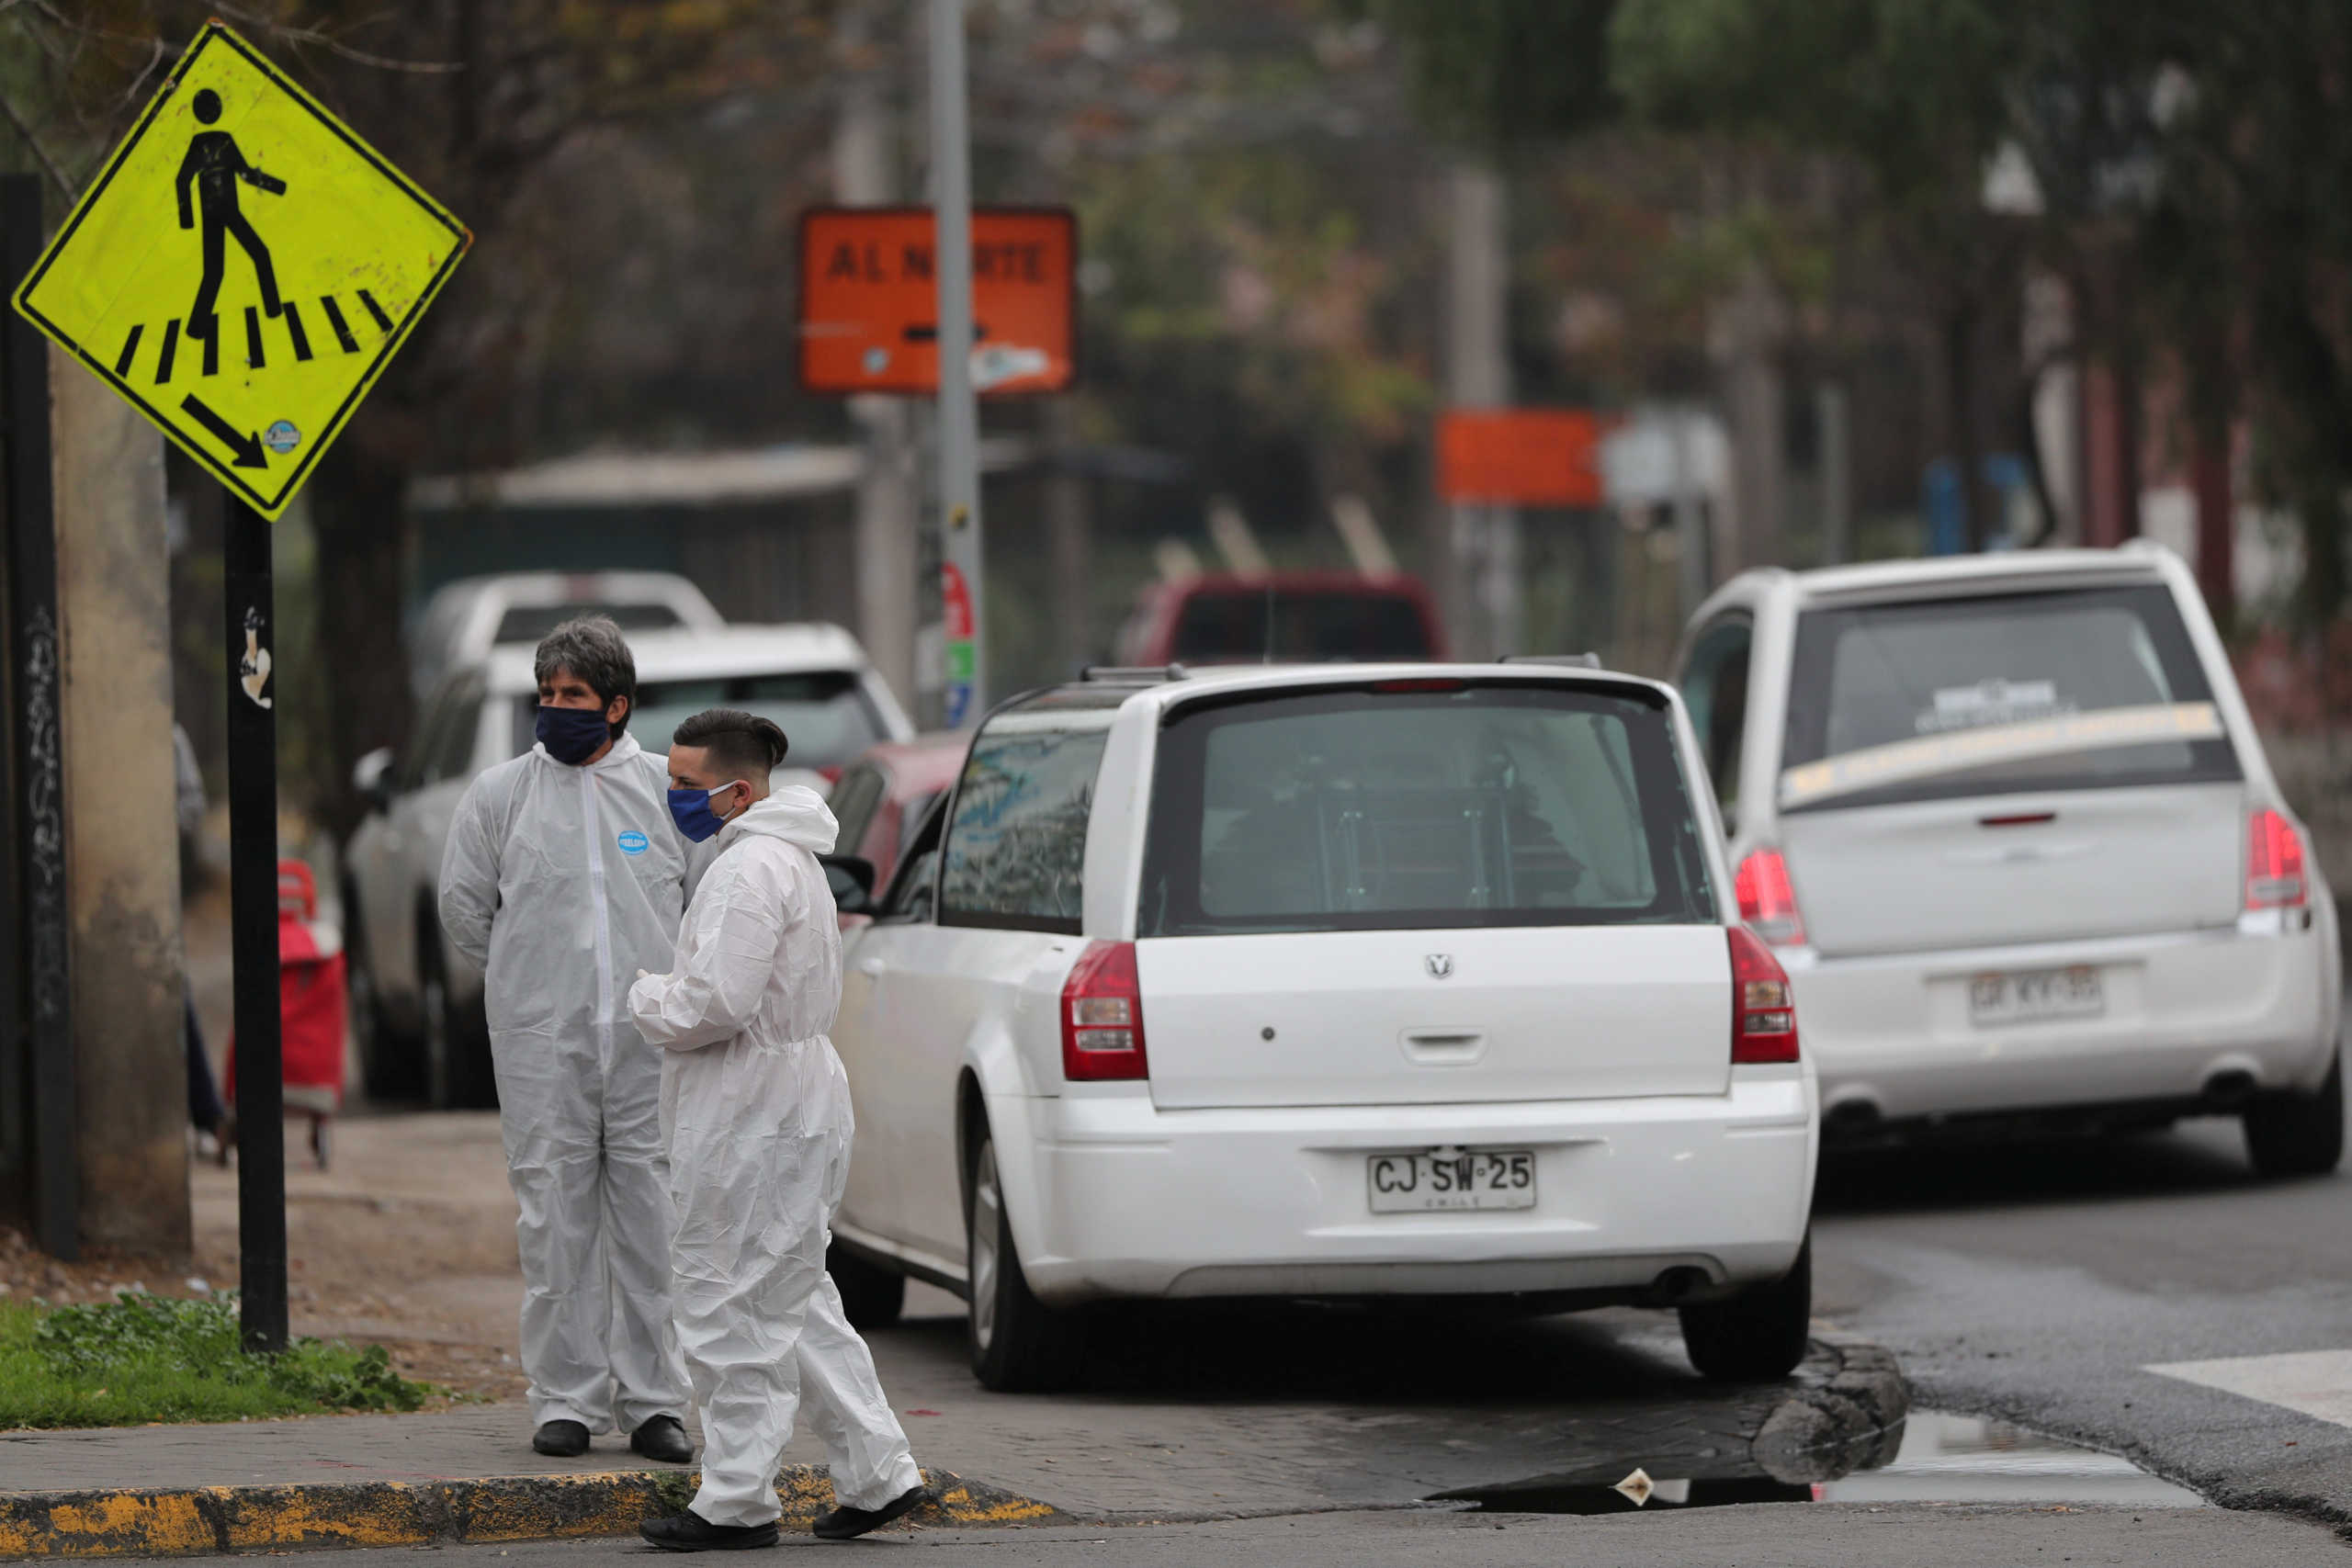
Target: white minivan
{"points": [[1385, 981], [2007, 824]]}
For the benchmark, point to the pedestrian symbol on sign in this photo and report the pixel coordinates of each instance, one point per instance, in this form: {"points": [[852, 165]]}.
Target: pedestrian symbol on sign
{"points": [[214, 165]]}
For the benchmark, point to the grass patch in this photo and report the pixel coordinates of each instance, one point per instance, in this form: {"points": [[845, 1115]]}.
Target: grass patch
{"points": [[144, 1358]]}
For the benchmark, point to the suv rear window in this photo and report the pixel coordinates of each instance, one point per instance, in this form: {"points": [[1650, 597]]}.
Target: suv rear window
{"points": [[825, 714], [1289, 626], [1472, 804], [530, 623], [1933, 699]]}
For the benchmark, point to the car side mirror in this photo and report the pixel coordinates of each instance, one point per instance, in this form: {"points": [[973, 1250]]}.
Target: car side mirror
{"points": [[372, 776], [851, 881]]}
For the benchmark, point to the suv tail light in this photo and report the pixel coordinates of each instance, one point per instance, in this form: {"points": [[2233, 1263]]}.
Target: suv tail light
{"points": [[1103, 1016], [1766, 901], [1763, 1011], [2274, 864]]}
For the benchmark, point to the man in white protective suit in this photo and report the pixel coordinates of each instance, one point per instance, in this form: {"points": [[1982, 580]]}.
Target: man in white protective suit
{"points": [[756, 1112], [563, 877]]}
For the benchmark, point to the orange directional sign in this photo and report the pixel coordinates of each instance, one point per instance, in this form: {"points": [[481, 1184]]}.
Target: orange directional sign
{"points": [[869, 304], [1520, 457]]}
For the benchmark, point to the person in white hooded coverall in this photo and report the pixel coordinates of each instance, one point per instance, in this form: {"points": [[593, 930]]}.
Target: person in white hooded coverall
{"points": [[563, 877], [756, 1112]]}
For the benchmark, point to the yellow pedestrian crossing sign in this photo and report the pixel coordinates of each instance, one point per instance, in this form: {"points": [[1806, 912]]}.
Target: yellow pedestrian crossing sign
{"points": [[243, 269]]}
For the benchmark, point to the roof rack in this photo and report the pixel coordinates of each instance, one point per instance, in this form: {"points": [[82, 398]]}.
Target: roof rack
{"points": [[1132, 674], [1572, 660]]}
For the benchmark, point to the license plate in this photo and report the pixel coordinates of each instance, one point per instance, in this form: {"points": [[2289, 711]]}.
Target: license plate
{"points": [[2035, 996], [1452, 1178]]}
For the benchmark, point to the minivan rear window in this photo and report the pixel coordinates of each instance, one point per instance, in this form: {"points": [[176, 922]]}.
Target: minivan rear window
{"points": [[1469, 804], [1940, 698], [1287, 626]]}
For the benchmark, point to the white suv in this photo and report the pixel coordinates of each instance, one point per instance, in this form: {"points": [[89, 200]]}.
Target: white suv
{"points": [[1367, 981], [2009, 826], [416, 1008]]}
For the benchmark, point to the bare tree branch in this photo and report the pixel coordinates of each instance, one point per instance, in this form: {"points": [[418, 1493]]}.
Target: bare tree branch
{"points": [[56, 175], [335, 45]]}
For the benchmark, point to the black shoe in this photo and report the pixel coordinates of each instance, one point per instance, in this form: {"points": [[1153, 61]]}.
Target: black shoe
{"points": [[560, 1440], [692, 1532], [848, 1524], [662, 1438]]}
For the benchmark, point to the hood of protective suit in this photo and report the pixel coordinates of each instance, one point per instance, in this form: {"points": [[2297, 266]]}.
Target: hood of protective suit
{"points": [[795, 814]]}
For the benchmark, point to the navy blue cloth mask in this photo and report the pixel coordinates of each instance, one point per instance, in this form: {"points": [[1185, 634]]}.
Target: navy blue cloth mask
{"points": [[690, 809], [572, 735]]}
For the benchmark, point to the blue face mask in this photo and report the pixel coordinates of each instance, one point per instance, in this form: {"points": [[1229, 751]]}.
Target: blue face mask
{"points": [[572, 735], [690, 809]]}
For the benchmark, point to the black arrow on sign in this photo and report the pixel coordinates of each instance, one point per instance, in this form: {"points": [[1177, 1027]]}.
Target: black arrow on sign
{"points": [[247, 448]]}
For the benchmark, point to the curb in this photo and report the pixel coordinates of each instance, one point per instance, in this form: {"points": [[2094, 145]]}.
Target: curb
{"points": [[1851, 1418], [201, 1520]]}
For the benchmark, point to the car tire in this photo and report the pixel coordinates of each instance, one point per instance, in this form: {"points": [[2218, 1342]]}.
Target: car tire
{"points": [[872, 1296], [456, 1049], [387, 1063], [2298, 1134], [1019, 1345], [1758, 1336]]}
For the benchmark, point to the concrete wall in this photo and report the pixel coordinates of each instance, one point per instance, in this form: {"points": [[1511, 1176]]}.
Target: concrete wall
{"points": [[122, 853]]}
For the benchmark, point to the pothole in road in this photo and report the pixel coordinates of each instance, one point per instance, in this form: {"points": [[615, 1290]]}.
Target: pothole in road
{"points": [[1941, 1459]]}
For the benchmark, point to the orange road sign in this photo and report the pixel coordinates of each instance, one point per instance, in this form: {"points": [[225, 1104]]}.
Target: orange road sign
{"points": [[870, 306], [1520, 457]]}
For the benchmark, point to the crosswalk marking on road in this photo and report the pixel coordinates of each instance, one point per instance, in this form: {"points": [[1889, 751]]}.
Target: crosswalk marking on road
{"points": [[166, 339], [2317, 1383]]}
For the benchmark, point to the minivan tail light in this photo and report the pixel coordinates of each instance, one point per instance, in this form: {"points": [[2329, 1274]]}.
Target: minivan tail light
{"points": [[1767, 902], [1763, 1009], [2274, 864], [1103, 1016]]}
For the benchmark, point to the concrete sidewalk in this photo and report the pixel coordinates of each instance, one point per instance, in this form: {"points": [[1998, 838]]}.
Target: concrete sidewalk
{"points": [[470, 1474]]}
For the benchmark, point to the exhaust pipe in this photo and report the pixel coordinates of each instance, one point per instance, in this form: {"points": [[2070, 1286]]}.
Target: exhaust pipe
{"points": [[1850, 1118], [2229, 1090]]}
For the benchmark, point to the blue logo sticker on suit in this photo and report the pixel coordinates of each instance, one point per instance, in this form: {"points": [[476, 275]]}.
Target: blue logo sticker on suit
{"points": [[633, 842]]}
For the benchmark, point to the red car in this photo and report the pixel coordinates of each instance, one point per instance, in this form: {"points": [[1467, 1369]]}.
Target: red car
{"points": [[1308, 618], [879, 798]]}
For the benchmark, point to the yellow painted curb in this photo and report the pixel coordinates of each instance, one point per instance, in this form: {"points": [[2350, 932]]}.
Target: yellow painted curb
{"points": [[194, 1522]]}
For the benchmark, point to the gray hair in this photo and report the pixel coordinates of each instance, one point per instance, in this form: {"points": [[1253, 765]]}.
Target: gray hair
{"points": [[591, 648]]}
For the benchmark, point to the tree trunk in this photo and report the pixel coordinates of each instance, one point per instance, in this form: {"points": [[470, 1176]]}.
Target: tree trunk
{"points": [[1959, 419], [361, 524]]}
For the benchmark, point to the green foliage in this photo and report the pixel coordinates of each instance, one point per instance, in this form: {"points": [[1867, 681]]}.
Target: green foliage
{"points": [[144, 1358], [1499, 73]]}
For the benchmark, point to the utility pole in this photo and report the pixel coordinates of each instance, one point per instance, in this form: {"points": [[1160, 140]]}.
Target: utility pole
{"points": [[1484, 600], [959, 416], [865, 175], [1693, 535], [1071, 530], [1837, 474]]}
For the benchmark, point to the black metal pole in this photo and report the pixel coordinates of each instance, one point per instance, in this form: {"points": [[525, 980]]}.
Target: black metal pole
{"points": [[36, 670], [253, 922]]}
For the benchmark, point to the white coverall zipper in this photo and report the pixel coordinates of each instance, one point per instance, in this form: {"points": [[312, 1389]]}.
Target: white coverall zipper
{"points": [[591, 824]]}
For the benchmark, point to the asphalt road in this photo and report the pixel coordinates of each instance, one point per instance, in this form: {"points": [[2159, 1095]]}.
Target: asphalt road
{"points": [[1797, 1535], [2040, 1283]]}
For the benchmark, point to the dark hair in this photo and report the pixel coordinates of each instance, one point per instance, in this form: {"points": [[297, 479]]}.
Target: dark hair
{"points": [[738, 742], [591, 648]]}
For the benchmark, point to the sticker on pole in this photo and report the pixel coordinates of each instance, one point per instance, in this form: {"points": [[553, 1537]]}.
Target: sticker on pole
{"points": [[961, 645], [243, 269]]}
